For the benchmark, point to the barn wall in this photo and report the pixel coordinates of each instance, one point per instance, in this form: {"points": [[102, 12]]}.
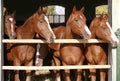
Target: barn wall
{"points": [[1, 49], [115, 26], [0, 36]]}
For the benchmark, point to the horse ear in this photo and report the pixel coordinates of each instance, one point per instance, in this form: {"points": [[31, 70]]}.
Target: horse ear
{"points": [[82, 9], [46, 10], [104, 16], [13, 14], [40, 9], [5, 13], [74, 9]]}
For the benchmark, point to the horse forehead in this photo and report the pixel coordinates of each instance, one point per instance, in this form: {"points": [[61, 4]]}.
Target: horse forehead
{"points": [[10, 19], [80, 15]]}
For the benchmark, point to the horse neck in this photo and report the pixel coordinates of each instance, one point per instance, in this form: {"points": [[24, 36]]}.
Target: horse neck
{"points": [[25, 31], [92, 29]]}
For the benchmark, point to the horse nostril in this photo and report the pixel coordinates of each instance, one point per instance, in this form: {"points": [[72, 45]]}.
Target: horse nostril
{"points": [[13, 35], [52, 38]]}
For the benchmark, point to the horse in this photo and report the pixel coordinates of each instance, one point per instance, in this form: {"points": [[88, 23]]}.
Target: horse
{"points": [[71, 54], [23, 54], [9, 32], [10, 25], [96, 54]]}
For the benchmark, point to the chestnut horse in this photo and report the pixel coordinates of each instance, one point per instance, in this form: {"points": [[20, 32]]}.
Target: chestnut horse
{"points": [[96, 53], [24, 53], [71, 54]]}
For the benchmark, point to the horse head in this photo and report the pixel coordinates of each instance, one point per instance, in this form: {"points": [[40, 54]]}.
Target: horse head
{"points": [[9, 24], [42, 26], [101, 28], [77, 22]]}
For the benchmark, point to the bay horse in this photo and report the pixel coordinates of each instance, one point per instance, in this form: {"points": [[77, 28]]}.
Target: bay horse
{"points": [[23, 54], [71, 54], [9, 32], [10, 25], [96, 54]]}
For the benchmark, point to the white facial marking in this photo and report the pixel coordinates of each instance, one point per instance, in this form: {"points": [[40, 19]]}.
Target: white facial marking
{"points": [[11, 19], [81, 17], [49, 26], [113, 36], [87, 30]]}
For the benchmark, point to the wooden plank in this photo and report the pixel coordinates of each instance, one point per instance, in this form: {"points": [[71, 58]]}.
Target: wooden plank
{"points": [[115, 26], [56, 41], [55, 67]]}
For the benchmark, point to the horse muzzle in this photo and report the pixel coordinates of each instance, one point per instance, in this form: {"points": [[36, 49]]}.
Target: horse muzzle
{"points": [[12, 35], [114, 44], [87, 33], [51, 39]]}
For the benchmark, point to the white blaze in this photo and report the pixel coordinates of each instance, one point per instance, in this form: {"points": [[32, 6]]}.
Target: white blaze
{"points": [[49, 27], [87, 30], [113, 36], [11, 19]]}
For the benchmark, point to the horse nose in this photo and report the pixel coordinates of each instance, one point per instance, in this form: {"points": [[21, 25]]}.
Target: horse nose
{"points": [[52, 38], [88, 33], [115, 44], [13, 35]]}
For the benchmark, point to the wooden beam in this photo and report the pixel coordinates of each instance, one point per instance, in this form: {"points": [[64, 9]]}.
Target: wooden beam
{"points": [[55, 67], [56, 41]]}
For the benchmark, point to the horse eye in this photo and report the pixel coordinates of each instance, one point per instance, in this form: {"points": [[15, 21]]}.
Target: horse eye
{"points": [[104, 28], [6, 22], [41, 21], [76, 20]]}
